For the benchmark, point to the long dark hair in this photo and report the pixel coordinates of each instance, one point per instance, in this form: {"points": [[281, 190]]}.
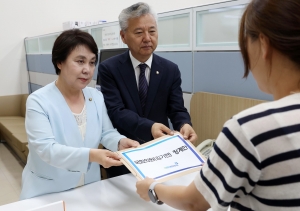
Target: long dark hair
{"points": [[279, 20]]}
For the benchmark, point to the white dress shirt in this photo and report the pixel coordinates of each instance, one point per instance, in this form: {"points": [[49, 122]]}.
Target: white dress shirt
{"points": [[135, 64]]}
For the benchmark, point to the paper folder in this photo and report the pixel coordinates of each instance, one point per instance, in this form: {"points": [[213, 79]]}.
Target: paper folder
{"points": [[163, 159]]}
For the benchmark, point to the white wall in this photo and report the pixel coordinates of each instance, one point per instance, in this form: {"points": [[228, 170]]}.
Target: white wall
{"points": [[20, 19]]}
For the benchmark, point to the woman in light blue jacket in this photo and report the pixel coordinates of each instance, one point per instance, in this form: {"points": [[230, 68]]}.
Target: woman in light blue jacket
{"points": [[66, 121]]}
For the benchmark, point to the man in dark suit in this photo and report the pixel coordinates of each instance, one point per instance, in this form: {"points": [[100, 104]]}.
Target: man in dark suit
{"points": [[142, 90]]}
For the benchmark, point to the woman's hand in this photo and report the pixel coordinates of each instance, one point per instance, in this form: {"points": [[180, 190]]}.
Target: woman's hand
{"points": [[125, 143], [105, 157], [142, 188]]}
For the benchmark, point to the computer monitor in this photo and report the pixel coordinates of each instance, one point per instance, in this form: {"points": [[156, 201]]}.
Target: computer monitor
{"points": [[106, 54]]}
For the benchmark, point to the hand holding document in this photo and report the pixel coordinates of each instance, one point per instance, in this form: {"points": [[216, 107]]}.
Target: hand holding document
{"points": [[163, 158]]}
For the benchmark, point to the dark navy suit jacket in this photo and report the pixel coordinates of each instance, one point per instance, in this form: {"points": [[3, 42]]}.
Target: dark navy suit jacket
{"points": [[164, 97]]}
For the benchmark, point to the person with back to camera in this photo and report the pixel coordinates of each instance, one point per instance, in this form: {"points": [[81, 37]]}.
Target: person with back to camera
{"points": [[142, 90], [66, 121], [255, 161]]}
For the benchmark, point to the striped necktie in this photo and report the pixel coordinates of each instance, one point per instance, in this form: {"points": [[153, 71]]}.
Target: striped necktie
{"points": [[143, 86]]}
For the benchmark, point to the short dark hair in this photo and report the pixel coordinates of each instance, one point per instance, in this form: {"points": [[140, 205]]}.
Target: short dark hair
{"points": [[67, 41], [279, 20]]}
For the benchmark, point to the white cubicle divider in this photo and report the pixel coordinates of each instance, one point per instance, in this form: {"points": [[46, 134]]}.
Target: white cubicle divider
{"points": [[207, 27], [55, 206], [216, 26], [175, 31], [99, 35], [47, 42], [202, 41], [41, 44], [32, 45]]}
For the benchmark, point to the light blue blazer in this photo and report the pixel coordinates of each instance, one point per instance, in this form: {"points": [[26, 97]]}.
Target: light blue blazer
{"points": [[57, 154]]}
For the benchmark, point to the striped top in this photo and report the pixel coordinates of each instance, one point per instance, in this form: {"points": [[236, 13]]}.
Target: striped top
{"points": [[255, 163]]}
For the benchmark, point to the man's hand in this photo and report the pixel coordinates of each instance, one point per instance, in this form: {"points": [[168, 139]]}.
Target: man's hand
{"points": [[159, 130], [188, 133], [125, 143], [142, 188]]}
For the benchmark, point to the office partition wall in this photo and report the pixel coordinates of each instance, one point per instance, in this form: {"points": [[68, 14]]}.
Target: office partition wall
{"points": [[202, 41]]}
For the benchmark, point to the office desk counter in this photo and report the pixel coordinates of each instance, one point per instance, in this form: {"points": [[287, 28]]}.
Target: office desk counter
{"points": [[118, 193]]}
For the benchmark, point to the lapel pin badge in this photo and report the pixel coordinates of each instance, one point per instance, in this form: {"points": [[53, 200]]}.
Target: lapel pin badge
{"points": [[90, 99], [157, 72]]}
